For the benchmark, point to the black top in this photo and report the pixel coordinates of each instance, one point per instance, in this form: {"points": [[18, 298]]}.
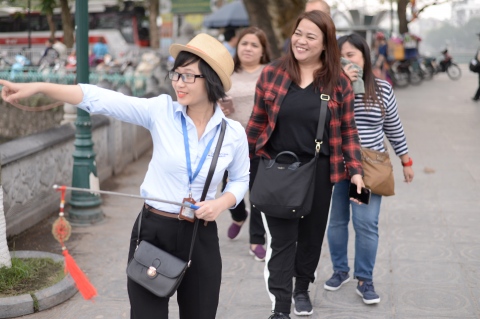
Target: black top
{"points": [[297, 122]]}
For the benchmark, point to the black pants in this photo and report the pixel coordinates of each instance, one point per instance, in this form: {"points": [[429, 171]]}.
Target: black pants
{"points": [[257, 231], [295, 244], [477, 95], [199, 291]]}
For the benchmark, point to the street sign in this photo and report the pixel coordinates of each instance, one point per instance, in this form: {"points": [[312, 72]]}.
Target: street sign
{"points": [[190, 6]]}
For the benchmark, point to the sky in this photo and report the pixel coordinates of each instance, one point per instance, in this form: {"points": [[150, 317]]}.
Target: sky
{"points": [[441, 12]]}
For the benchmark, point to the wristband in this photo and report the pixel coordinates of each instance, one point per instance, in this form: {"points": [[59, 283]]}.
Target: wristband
{"points": [[409, 163]]}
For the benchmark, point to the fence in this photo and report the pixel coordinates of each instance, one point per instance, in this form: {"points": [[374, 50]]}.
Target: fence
{"points": [[131, 85]]}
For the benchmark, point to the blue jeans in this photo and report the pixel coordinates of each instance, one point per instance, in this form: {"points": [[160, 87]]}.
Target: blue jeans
{"points": [[365, 223]]}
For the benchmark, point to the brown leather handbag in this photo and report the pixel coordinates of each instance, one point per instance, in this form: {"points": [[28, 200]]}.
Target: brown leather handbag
{"points": [[378, 172]]}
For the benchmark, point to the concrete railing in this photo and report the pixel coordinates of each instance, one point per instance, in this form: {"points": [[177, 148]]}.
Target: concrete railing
{"points": [[32, 165]]}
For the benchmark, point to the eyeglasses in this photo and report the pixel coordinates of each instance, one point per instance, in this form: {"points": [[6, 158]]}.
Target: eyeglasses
{"points": [[186, 77]]}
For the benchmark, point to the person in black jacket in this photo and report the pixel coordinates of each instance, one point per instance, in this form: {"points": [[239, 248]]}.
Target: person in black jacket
{"points": [[476, 98]]}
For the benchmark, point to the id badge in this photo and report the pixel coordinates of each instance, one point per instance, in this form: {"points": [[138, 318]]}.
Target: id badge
{"points": [[187, 213]]}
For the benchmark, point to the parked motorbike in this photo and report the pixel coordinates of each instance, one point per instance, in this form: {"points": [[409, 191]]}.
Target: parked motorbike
{"points": [[405, 72], [451, 68], [428, 67]]}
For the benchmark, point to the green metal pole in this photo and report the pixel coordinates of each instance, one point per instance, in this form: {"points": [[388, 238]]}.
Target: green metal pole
{"points": [[85, 207]]}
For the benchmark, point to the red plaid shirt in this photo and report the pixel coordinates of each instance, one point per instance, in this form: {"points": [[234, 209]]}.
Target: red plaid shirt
{"points": [[272, 86]]}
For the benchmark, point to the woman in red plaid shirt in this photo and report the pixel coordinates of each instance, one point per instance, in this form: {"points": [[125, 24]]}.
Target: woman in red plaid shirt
{"points": [[285, 118]]}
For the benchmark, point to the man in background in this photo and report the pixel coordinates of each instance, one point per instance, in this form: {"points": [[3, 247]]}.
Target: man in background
{"points": [[61, 48], [50, 54], [476, 98], [230, 40], [319, 5]]}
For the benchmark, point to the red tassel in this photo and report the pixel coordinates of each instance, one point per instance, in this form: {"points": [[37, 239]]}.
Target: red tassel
{"points": [[87, 290]]}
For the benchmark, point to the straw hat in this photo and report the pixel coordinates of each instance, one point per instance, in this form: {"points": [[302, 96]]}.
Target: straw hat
{"points": [[211, 51]]}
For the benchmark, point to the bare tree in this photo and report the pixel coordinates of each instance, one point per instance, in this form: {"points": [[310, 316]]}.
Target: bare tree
{"points": [[403, 5], [154, 30], [67, 24], [47, 7]]}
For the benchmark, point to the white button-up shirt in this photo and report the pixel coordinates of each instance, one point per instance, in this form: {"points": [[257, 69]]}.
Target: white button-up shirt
{"points": [[167, 176]]}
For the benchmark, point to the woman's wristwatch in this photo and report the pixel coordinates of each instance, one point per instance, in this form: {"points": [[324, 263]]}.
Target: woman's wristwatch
{"points": [[409, 163]]}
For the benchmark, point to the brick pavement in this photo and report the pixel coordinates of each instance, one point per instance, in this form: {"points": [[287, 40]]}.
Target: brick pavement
{"points": [[429, 253]]}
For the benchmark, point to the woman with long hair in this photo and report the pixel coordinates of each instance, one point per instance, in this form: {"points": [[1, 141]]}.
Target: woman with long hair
{"points": [[376, 117], [252, 54], [285, 118]]}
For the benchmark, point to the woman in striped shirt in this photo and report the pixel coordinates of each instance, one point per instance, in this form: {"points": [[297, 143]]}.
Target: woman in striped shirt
{"points": [[376, 116]]}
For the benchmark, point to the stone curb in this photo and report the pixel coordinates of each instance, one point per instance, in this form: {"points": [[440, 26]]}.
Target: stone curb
{"points": [[17, 306]]}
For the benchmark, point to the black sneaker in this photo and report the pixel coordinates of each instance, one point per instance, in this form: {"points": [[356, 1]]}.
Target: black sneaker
{"points": [[303, 305], [279, 315]]}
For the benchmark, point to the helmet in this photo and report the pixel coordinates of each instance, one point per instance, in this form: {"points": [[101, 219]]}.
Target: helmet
{"points": [[379, 35]]}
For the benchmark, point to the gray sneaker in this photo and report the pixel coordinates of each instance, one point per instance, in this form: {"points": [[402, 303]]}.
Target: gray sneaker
{"points": [[302, 303], [337, 280], [367, 292]]}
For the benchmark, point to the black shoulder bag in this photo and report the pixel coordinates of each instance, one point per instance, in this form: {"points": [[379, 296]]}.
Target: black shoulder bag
{"points": [[286, 190], [157, 270]]}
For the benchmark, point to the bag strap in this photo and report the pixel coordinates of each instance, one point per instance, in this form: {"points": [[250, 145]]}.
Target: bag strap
{"points": [[324, 98], [205, 189], [207, 184]]}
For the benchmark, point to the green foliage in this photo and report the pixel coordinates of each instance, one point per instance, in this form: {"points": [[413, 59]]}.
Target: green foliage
{"points": [[47, 6], [10, 276], [29, 275]]}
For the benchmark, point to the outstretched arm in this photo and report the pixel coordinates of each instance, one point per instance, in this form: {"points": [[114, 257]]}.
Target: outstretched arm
{"points": [[12, 92]]}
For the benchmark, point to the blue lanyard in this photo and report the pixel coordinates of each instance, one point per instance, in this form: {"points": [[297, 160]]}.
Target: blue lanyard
{"points": [[191, 176]]}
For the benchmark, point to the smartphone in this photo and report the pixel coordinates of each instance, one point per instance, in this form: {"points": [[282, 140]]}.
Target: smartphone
{"points": [[227, 104], [363, 197]]}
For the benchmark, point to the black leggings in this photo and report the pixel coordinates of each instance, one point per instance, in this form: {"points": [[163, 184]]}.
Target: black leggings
{"points": [[477, 94], [257, 231], [295, 245], [199, 291]]}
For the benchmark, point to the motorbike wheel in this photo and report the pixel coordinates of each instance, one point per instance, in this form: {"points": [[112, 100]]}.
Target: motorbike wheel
{"points": [[427, 72], [415, 78], [399, 79], [454, 72]]}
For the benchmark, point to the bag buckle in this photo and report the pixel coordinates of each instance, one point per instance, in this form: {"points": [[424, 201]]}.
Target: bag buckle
{"points": [[151, 271], [318, 145], [325, 97]]}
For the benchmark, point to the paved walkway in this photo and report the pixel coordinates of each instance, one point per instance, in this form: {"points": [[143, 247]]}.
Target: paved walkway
{"points": [[429, 256]]}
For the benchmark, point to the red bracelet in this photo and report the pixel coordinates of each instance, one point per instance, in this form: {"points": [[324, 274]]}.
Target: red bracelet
{"points": [[409, 163]]}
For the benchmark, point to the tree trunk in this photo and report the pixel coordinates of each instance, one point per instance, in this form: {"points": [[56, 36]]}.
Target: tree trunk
{"points": [[402, 16], [154, 31], [67, 24], [51, 25], [284, 13], [260, 17], [276, 18], [4, 253]]}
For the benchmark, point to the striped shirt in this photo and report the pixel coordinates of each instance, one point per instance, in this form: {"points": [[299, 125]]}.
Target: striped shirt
{"points": [[373, 127]]}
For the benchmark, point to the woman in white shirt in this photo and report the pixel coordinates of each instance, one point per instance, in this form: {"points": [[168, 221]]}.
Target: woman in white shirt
{"points": [[200, 77]]}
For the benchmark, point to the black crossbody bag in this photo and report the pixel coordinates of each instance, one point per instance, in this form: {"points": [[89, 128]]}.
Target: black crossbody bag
{"points": [[286, 190], [157, 270]]}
